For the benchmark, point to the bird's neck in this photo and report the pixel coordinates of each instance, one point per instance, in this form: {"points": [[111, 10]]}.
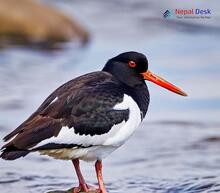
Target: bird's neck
{"points": [[140, 96]]}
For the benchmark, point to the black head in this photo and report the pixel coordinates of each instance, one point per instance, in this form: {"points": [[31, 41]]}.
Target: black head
{"points": [[131, 68], [127, 67]]}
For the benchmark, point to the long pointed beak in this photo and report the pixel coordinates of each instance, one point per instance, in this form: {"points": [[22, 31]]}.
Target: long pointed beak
{"points": [[161, 82]]}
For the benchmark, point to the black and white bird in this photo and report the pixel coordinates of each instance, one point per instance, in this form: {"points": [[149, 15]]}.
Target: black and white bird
{"points": [[88, 117]]}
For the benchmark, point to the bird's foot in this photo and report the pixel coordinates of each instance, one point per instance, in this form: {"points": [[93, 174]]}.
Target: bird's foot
{"points": [[101, 190], [84, 188], [80, 188]]}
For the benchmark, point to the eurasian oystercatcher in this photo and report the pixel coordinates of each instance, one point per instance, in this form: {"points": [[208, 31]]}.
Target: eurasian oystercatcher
{"points": [[90, 116]]}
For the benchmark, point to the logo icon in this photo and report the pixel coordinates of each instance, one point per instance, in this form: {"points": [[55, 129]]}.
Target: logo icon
{"points": [[167, 14]]}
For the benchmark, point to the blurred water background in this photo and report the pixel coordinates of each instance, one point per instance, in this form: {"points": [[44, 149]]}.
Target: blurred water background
{"points": [[176, 149]]}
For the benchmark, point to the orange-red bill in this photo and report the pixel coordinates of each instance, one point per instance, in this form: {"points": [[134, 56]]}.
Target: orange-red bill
{"points": [[161, 82]]}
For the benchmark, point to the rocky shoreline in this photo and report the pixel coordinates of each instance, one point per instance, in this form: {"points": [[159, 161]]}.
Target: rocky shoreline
{"points": [[31, 23]]}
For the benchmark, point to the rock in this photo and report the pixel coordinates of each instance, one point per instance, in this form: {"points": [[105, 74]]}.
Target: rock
{"points": [[69, 191], [28, 22]]}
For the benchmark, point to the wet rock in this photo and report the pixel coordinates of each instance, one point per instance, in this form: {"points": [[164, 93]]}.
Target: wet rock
{"points": [[28, 22], [69, 191]]}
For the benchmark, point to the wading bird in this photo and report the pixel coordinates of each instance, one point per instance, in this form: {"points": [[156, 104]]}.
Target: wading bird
{"points": [[90, 116]]}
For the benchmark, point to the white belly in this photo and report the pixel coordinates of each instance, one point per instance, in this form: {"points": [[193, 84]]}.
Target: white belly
{"points": [[86, 154], [101, 145]]}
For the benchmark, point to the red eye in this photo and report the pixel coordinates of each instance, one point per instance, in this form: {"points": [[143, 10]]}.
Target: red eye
{"points": [[132, 64]]}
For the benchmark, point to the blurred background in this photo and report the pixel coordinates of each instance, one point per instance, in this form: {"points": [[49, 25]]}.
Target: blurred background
{"points": [[48, 42]]}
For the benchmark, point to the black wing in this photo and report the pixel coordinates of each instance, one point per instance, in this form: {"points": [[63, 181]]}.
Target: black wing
{"points": [[93, 112]]}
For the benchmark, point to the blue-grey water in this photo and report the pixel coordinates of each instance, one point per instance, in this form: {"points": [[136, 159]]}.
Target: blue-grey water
{"points": [[177, 147]]}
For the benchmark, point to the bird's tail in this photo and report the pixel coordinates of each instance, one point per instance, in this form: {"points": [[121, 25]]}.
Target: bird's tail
{"points": [[12, 153]]}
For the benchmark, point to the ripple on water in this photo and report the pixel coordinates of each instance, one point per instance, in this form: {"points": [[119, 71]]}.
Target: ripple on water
{"points": [[8, 178]]}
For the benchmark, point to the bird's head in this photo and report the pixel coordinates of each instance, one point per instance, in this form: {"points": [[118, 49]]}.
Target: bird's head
{"points": [[131, 68]]}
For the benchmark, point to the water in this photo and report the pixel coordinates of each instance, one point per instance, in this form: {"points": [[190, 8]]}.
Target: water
{"points": [[176, 149]]}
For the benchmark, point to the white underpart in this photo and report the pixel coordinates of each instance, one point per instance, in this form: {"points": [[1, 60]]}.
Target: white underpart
{"points": [[130, 126], [102, 144]]}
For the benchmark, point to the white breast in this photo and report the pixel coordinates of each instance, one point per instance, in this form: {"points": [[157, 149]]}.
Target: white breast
{"points": [[127, 129]]}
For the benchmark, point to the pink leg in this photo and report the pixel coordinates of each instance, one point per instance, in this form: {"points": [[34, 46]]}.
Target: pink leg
{"points": [[82, 183], [98, 167]]}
